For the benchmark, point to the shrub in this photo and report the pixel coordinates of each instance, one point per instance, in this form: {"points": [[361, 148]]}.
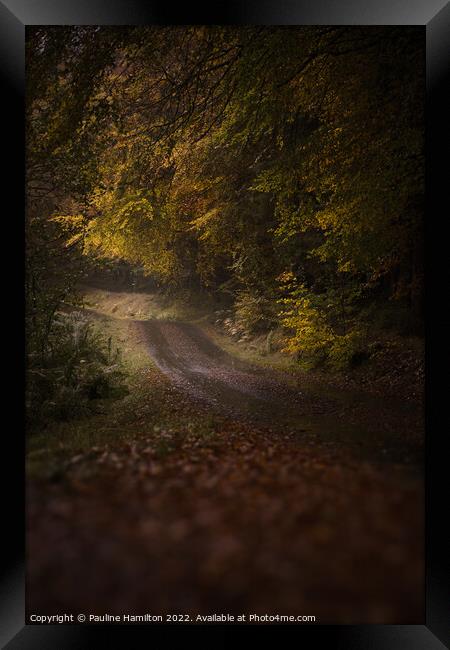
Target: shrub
{"points": [[77, 367], [254, 313], [312, 338], [348, 350]]}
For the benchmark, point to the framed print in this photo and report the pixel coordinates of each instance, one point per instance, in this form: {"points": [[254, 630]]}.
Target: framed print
{"points": [[230, 411]]}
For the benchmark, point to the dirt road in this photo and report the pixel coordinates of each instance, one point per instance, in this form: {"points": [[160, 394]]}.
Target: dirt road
{"points": [[251, 501], [195, 364]]}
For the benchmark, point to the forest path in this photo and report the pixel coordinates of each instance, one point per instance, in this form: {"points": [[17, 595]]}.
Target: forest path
{"points": [[236, 388], [195, 364], [216, 486]]}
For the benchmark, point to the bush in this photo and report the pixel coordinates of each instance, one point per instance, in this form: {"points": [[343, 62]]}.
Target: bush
{"points": [[254, 313], [77, 367], [348, 350], [312, 338]]}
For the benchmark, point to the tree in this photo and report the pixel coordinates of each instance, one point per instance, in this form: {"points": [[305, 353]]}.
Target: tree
{"points": [[222, 157]]}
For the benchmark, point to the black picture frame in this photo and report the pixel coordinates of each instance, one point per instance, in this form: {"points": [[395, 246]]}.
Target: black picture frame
{"points": [[15, 15]]}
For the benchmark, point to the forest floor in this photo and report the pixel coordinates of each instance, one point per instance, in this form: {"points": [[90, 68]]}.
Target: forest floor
{"points": [[222, 485]]}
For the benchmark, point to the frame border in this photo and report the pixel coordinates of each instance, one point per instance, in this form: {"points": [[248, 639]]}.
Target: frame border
{"points": [[434, 16]]}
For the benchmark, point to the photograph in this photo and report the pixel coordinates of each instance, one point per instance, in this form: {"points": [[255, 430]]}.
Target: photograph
{"points": [[225, 324]]}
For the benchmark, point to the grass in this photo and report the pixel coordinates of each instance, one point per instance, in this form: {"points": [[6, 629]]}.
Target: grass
{"points": [[151, 409], [254, 351], [142, 306], [154, 409]]}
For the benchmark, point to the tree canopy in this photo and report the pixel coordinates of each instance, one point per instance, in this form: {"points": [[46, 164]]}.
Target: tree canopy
{"points": [[276, 164]]}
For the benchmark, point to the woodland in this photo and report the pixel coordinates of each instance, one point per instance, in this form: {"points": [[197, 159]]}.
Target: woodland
{"points": [[238, 206]]}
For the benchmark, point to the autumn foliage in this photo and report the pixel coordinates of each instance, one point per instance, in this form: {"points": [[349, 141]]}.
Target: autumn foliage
{"points": [[279, 167]]}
